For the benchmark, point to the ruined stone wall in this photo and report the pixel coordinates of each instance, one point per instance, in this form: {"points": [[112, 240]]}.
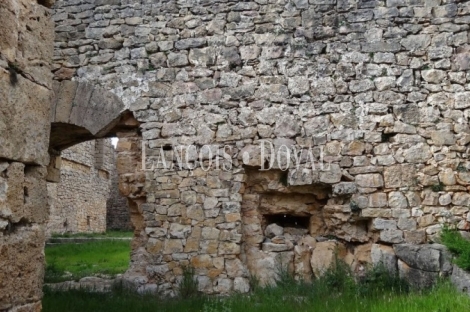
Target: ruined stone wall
{"points": [[117, 211], [78, 201], [26, 47], [376, 91]]}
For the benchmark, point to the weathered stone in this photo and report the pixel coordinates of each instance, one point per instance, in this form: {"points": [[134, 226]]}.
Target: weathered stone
{"points": [[460, 279], [399, 175], [424, 257], [397, 200], [391, 236], [416, 42], [369, 180], [189, 43], [382, 224], [332, 174], [443, 138], [323, 256], [273, 230], [416, 277], [343, 188], [384, 255]]}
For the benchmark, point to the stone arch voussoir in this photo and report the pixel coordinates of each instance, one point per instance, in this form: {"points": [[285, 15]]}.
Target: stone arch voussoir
{"points": [[82, 111]]}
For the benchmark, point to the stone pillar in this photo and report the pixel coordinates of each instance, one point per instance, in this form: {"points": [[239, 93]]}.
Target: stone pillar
{"points": [[26, 43]]}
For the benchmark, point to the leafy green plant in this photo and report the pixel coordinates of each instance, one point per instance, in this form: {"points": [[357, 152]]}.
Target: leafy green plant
{"points": [[437, 187], [462, 168], [458, 245], [354, 206], [188, 286]]}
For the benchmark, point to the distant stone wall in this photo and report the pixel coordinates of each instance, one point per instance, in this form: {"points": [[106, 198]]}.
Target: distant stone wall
{"points": [[117, 211], [78, 201], [369, 98]]}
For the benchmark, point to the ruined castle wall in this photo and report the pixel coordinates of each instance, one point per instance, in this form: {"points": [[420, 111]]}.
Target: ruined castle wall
{"points": [[117, 210], [377, 91], [78, 201], [26, 47]]}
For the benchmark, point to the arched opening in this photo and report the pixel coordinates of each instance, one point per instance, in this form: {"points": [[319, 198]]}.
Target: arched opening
{"points": [[85, 168]]}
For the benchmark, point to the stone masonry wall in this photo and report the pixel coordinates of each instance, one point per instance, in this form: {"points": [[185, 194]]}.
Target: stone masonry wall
{"points": [[373, 93], [117, 211], [26, 48], [78, 201]]}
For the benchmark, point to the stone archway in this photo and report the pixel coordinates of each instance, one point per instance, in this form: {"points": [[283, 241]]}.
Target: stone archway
{"points": [[82, 111]]}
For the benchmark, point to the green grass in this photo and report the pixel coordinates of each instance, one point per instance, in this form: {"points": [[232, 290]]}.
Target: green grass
{"points": [[108, 257], [108, 234], [442, 298], [337, 290], [458, 245]]}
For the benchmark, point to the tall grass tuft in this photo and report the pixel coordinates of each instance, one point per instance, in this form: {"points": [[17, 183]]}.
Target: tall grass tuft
{"points": [[458, 245], [188, 286], [378, 280]]}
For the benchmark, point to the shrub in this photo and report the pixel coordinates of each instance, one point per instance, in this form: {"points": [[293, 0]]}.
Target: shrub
{"points": [[458, 245]]}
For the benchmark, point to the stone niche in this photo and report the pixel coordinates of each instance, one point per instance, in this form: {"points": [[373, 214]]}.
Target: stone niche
{"points": [[300, 228]]}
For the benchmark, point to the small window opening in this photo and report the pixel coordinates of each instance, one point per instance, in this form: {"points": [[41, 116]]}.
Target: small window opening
{"points": [[287, 220]]}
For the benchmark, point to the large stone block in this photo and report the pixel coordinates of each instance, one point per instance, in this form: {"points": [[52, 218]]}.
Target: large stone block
{"points": [[428, 257], [24, 119], [399, 176], [384, 255], [22, 265]]}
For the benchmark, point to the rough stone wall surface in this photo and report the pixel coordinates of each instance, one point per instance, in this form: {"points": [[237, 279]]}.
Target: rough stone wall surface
{"points": [[376, 91], [117, 210], [26, 48], [78, 201]]}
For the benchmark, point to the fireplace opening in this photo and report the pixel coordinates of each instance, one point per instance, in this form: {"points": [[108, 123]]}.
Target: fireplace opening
{"points": [[288, 220]]}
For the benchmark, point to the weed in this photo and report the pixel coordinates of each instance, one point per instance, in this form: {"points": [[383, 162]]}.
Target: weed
{"points": [[442, 297], [458, 245], [337, 278], [462, 168], [254, 282], [284, 276], [379, 279], [437, 187], [354, 207], [188, 286]]}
